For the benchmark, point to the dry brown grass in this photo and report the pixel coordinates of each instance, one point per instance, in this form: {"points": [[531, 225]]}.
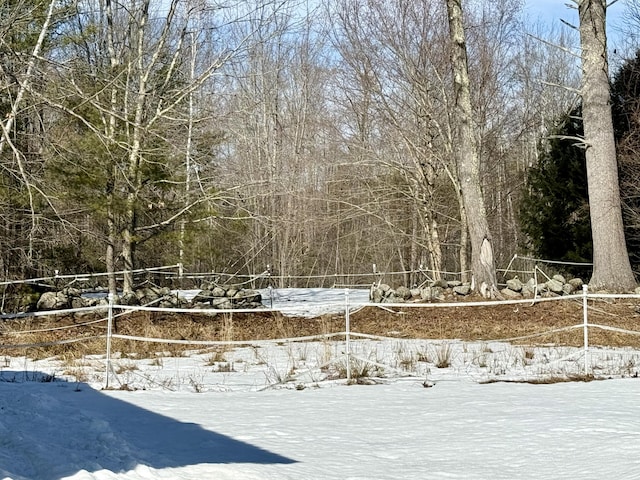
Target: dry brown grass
{"points": [[548, 380], [470, 324], [508, 321]]}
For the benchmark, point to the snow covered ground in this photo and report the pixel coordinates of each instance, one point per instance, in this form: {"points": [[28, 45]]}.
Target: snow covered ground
{"points": [[398, 430], [312, 302], [283, 411]]}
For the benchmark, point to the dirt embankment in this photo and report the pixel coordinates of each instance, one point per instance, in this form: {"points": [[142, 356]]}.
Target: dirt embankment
{"points": [[466, 323]]}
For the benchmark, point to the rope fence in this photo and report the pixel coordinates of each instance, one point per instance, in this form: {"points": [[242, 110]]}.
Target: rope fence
{"points": [[346, 342], [176, 274]]}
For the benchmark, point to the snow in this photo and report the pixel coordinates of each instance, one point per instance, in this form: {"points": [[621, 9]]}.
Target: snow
{"points": [[278, 411], [312, 302], [302, 302], [456, 429]]}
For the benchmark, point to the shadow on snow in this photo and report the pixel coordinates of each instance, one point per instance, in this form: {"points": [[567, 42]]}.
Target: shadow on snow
{"points": [[50, 429]]}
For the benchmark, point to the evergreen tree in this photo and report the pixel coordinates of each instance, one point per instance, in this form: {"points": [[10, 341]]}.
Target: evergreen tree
{"points": [[625, 92], [554, 210]]}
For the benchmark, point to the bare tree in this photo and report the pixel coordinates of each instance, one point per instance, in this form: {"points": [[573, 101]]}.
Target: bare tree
{"points": [[276, 124], [24, 31], [611, 266], [393, 62], [468, 159], [308, 155], [126, 80]]}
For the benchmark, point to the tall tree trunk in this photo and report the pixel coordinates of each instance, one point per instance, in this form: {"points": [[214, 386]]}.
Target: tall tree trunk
{"points": [[142, 73], [111, 125], [611, 266], [468, 159], [464, 239]]}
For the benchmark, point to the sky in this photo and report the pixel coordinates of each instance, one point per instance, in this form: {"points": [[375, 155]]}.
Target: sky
{"points": [[551, 11]]}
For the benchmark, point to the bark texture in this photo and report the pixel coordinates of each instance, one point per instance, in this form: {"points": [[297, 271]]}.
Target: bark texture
{"points": [[611, 266], [468, 159]]}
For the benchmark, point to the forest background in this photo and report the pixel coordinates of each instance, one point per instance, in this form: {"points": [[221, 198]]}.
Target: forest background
{"points": [[305, 137]]}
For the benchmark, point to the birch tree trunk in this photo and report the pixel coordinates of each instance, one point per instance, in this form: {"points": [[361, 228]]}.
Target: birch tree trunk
{"points": [[611, 266], [468, 160]]}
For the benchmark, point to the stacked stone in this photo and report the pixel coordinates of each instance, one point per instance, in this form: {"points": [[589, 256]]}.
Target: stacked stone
{"points": [[209, 296], [216, 296], [450, 290]]}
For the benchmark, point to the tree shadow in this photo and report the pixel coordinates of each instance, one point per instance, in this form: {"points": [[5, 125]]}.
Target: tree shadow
{"points": [[54, 429]]}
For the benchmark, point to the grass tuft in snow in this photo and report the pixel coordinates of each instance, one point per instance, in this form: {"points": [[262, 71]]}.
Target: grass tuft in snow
{"points": [[443, 355], [546, 380]]}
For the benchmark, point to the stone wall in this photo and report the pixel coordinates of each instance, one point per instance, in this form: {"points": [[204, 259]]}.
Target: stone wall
{"points": [[209, 296], [452, 290]]}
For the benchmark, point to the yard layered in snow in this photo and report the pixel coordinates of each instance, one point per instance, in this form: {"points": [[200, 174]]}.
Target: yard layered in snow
{"points": [[282, 410], [399, 430]]}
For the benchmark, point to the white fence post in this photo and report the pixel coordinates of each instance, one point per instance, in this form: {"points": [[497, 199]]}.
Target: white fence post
{"points": [[347, 322], [585, 322], [109, 328]]}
